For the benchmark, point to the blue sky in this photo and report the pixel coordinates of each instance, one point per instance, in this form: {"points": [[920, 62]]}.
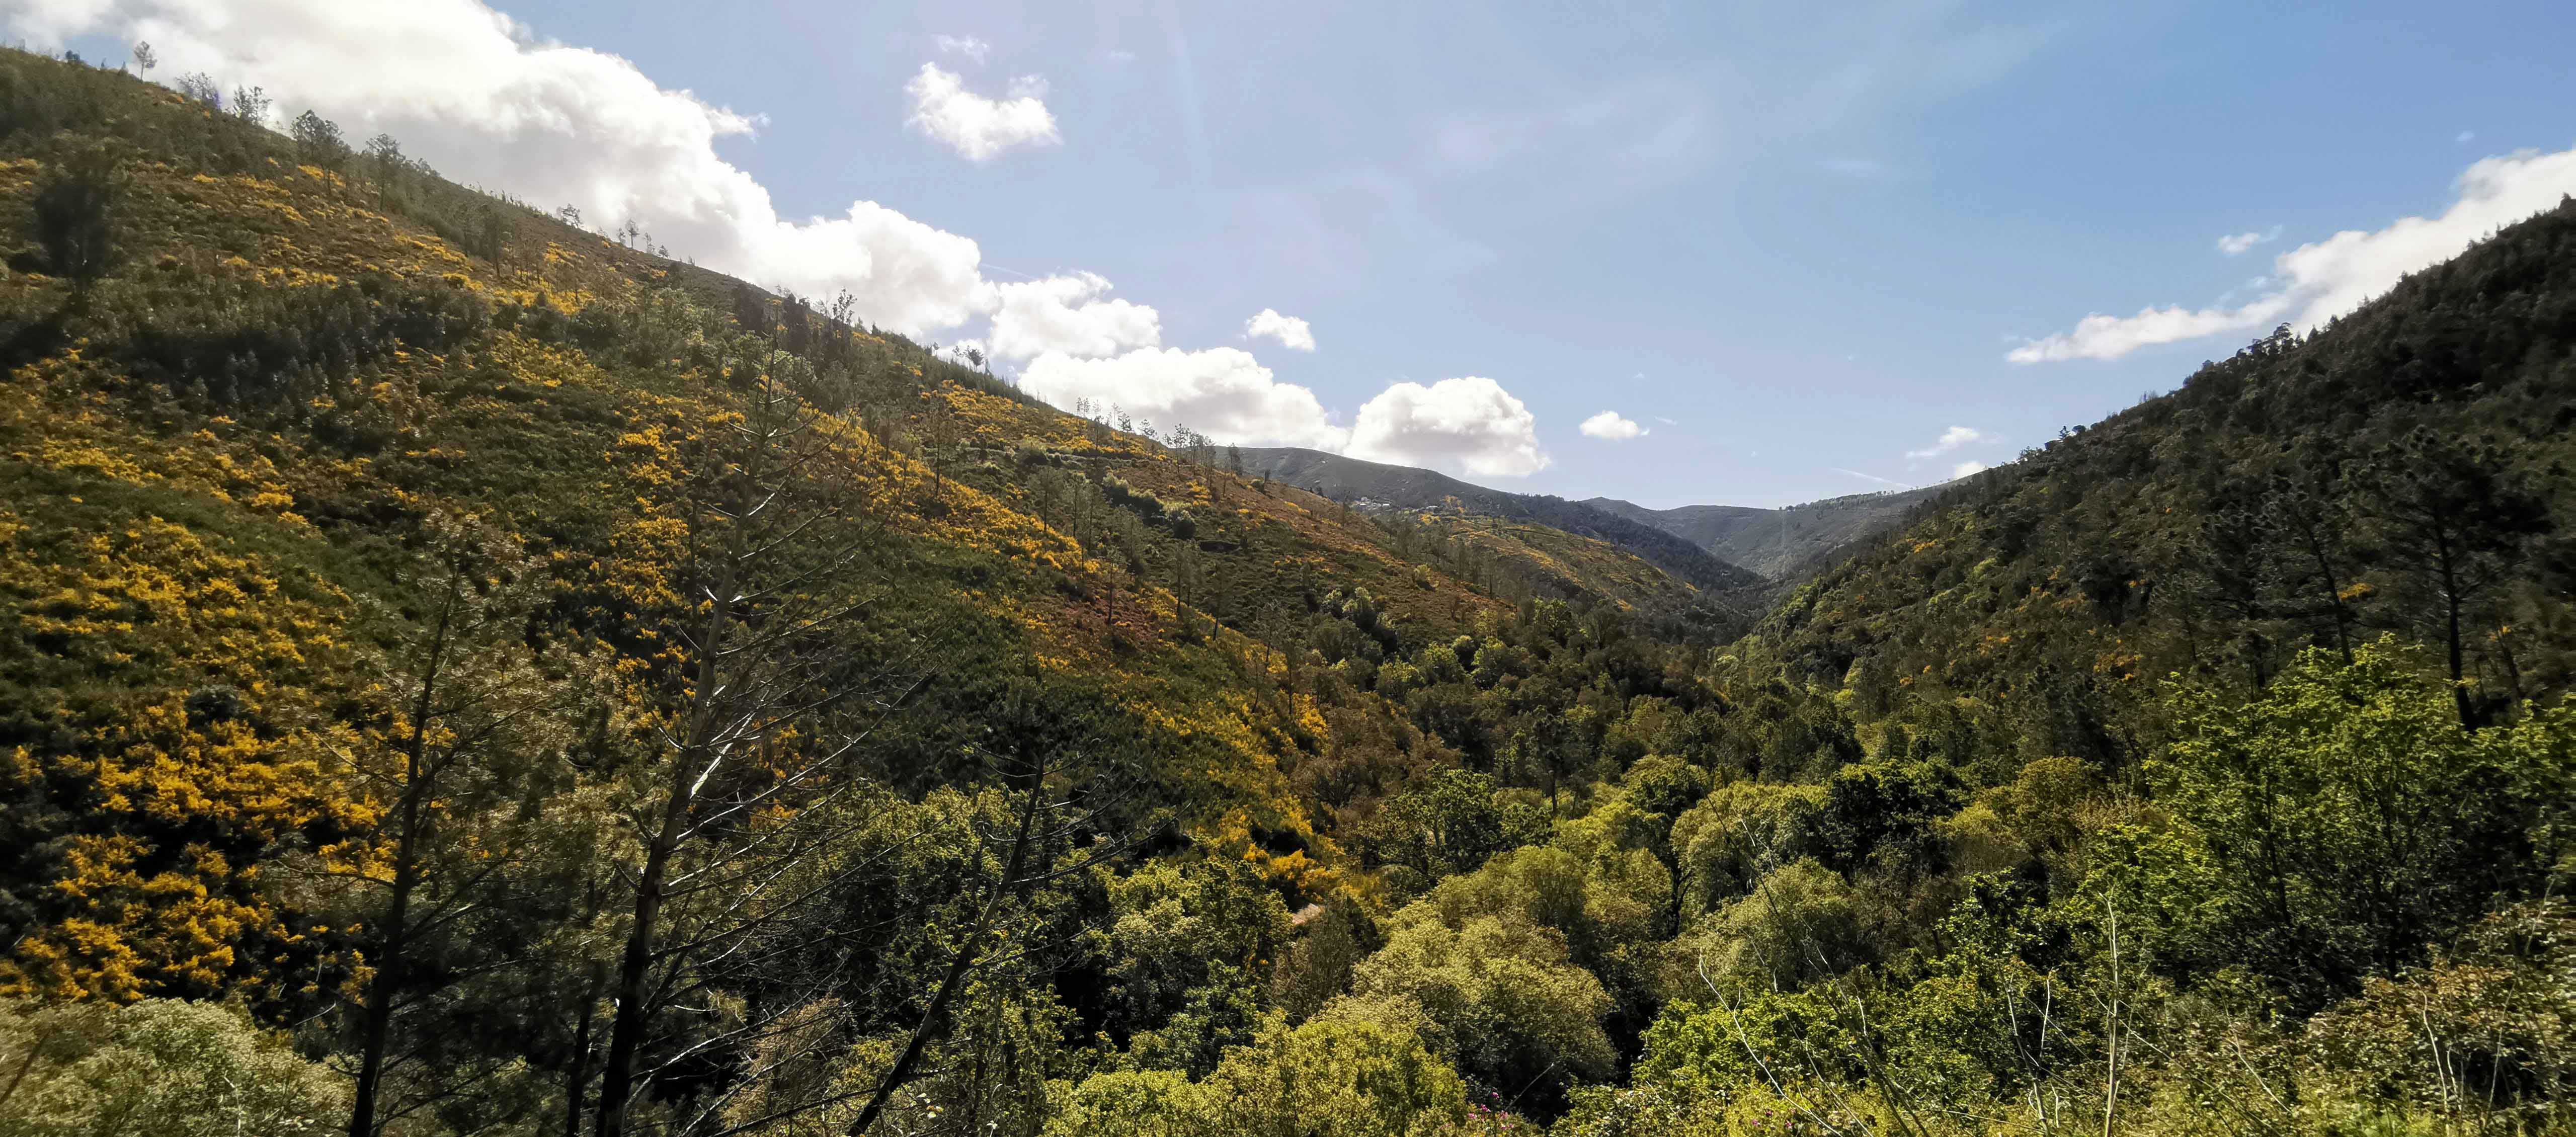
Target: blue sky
{"points": [[1796, 251]]}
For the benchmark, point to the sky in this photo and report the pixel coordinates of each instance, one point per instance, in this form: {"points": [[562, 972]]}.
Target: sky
{"points": [[1750, 253]]}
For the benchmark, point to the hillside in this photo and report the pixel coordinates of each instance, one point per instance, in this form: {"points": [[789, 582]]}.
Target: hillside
{"points": [[1781, 544], [466, 675], [1416, 490]]}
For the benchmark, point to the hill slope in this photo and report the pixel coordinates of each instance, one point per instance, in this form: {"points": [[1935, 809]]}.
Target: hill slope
{"points": [[2404, 470], [299, 362]]}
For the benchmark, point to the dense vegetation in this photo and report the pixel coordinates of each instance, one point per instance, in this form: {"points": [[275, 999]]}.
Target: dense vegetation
{"points": [[467, 675]]}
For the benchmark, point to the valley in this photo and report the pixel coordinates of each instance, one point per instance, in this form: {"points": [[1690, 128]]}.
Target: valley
{"points": [[465, 673]]}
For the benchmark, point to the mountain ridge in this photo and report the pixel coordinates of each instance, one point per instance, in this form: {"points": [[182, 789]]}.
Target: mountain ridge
{"points": [[1414, 489], [1783, 543]]}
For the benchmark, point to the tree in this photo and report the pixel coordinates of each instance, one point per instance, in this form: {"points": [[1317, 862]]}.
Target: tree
{"points": [[2329, 828], [492, 236], [74, 215], [1450, 825], [1495, 992], [144, 59], [200, 87], [2454, 520], [1071, 816], [1323, 1079], [452, 775], [750, 758], [250, 104], [385, 166], [318, 141], [160, 1066]]}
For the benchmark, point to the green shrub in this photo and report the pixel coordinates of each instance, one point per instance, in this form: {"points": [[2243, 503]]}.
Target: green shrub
{"points": [[165, 1067]]}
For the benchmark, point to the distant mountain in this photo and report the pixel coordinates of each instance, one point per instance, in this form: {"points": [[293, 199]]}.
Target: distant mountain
{"points": [[1408, 488], [1778, 543], [1755, 546]]}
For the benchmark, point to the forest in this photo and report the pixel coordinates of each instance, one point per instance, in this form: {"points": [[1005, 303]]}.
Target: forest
{"points": [[466, 674]]}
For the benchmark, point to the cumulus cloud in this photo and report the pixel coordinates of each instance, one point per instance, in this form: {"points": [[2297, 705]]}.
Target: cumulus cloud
{"points": [[1221, 392], [1612, 426], [469, 90], [1469, 424], [1290, 331], [2317, 282], [1066, 315], [1964, 469], [1950, 440], [968, 46], [977, 127]]}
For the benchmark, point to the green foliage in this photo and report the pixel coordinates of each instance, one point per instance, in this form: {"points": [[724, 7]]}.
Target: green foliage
{"points": [[1732, 837], [1186, 958], [73, 217], [1449, 826], [318, 141], [2487, 1032], [2330, 828], [1489, 986], [160, 1066], [1324, 1079], [1797, 925]]}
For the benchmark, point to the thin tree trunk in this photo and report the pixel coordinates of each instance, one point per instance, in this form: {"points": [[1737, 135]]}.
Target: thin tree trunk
{"points": [[626, 1037], [392, 970], [2451, 617], [578, 1078], [389, 977]]}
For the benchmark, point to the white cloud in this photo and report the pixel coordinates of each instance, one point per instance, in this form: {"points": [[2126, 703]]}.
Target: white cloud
{"points": [[968, 46], [1065, 315], [1612, 426], [469, 90], [1221, 392], [2236, 243], [2317, 282], [975, 126], [1290, 331], [1467, 424], [1950, 440], [1964, 469]]}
